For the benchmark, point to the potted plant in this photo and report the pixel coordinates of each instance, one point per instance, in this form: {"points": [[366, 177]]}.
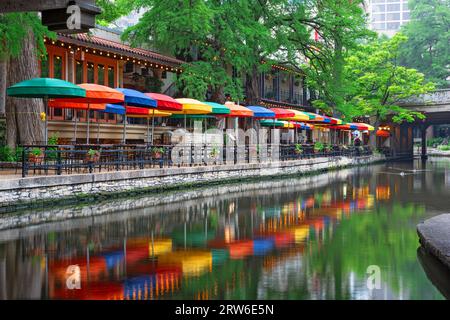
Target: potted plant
{"points": [[36, 155], [298, 148], [93, 156], [214, 153], [318, 147], [329, 148], [157, 152]]}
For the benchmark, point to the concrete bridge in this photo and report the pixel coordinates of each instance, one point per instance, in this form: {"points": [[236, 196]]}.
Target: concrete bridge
{"points": [[435, 106]]}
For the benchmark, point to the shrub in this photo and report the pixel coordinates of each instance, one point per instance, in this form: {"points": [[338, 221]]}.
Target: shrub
{"points": [[6, 154], [318, 146]]}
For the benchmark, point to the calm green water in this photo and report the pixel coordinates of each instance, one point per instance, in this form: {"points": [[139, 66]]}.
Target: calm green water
{"points": [[287, 239]]}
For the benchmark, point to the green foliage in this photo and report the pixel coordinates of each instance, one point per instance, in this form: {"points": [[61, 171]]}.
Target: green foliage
{"points": [[113, 10], [6, 154], [340, 26], [433, 142], [298, 148], [156, 150], [36, 152], [319, 146], [427, 48], [93, 153], [14, 28], [211, 36], [444, 147], [376, 82], [153, 84]]}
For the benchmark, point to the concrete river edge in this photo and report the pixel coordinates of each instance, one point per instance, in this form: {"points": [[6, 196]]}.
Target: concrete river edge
{"points": [[19, 195]]}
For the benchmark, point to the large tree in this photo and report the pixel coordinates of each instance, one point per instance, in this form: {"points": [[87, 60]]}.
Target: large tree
{"points": [[428, 45], [375, 82], [212, 37], [320, 34], [21, 36]]}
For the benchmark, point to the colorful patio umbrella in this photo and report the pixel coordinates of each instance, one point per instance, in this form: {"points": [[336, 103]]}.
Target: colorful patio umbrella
{"points": [[383, 133], [165, 103], [55, 103], [272, 123], [136, 99], [95, 94], [217, 108], [261, 112], [238, 111], [298, 116], [192, 106], [45, 88]]}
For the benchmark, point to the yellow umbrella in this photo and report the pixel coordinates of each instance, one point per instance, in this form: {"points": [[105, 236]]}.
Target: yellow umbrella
{"points": [[299, 116], [192, 106]]}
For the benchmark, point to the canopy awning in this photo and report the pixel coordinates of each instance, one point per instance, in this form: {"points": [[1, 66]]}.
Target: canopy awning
{"points": [[298, 116], [137, 99], [115, 109], [192, 106], [281, 113], [238, 111], [218, 108], [165, 102], [261, 112], [96, 93]]}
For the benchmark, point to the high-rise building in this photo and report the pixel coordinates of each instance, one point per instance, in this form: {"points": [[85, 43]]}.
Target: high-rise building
{"points": [[387, 16]]}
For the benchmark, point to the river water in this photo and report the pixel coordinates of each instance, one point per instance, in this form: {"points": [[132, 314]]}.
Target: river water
{"points": [[348, 234]]}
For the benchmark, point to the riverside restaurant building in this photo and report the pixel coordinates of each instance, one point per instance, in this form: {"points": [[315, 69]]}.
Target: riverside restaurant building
{"points": [[102, 58]]}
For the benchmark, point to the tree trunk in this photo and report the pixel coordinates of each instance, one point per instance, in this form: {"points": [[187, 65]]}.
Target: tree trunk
{"points": [[252, 89], [23, 122], [218, 95], [2, 87], [373, 134]]}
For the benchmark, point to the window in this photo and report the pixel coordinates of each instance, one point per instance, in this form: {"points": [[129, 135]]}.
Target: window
{"points": [[144, 71], [79, 73], [57, 67], [111, 82], [44, 67], [405, 15], [90, 72], [393, 16], [379, 26], [101, 74], [164, 75], [378, 8], [393, 25], [57, 112], [378, 17], [393, 7], [129, 67]]}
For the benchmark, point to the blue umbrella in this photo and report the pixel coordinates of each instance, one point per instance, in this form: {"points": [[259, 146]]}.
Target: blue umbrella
{"points": [[261, 112], [115, 109], [136, 99]]}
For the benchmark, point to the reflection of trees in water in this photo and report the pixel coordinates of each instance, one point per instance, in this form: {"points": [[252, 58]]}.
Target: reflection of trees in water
{"points": [[384, 237]]}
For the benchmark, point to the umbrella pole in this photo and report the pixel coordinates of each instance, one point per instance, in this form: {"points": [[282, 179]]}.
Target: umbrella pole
{"points": [[98, 129], [124, 138], [148, 131], [88, 122], [46, 119], [76, 126], [153, 124]]}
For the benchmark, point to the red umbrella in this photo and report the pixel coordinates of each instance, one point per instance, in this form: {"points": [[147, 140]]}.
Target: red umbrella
{"points": [[95, 94]]}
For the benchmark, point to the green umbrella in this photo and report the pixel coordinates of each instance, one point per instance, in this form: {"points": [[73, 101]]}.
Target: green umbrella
{"points": [[271, 123], [45, 88], [218, 109]]}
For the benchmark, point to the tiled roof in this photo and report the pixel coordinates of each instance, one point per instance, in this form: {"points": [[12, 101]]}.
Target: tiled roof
{"points": [[83, 39]]}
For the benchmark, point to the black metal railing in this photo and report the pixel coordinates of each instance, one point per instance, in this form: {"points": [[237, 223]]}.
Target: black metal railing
{"points": [[72, 159]]}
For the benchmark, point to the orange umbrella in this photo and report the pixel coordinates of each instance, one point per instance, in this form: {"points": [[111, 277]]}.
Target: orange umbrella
{"points": [[95, 94], [238, 111]]}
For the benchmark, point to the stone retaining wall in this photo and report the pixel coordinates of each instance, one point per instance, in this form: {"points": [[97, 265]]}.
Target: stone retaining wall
{"points": [[47, 188]]}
